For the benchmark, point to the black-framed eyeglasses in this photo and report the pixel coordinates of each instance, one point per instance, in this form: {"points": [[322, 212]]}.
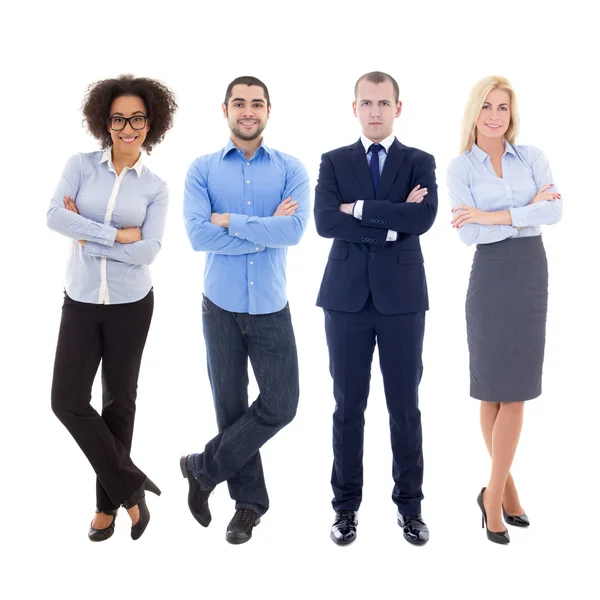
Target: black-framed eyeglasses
{"points": [[135, 122]]}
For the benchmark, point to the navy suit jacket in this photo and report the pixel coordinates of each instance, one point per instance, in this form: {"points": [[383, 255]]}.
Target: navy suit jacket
{"points": [[360, 259]]}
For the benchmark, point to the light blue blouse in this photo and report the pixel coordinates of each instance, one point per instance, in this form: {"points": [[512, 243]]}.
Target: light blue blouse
{"points": [[471, 180], [105, 271]]}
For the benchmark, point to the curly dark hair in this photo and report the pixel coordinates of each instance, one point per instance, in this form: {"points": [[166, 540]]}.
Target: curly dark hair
{"points": [[158, 99]]}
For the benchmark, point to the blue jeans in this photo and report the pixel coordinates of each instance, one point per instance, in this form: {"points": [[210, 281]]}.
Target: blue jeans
{"points": [[233, 455]]}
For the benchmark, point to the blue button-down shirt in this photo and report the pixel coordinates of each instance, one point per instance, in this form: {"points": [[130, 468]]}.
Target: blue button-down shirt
{"points": [[245, 264], [472, 180], [105, 271]]}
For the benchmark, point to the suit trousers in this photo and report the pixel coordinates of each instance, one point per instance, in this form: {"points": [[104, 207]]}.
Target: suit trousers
{"points": [[114, 334], [351, 339]]}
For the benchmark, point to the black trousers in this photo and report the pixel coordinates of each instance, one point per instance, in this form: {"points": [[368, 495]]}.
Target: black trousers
{"points": [[114, 334]]}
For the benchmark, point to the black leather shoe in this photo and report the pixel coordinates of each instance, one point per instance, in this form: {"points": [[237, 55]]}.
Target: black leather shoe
{"points": [[138, 499], [498, 537], [240, 527], [99, 535], [414, 529], [343, 530], [516, 520], [197, 496]]}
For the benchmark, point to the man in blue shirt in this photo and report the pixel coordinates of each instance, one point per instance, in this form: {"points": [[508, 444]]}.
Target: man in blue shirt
{"points": [[244, 205]]}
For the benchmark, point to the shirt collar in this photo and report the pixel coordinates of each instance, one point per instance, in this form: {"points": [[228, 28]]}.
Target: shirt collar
{"points": [[481, 155], [231, 146], [386, 143], [107, 157]]}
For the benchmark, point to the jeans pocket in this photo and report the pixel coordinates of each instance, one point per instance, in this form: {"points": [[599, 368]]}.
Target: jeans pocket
{"points": [[207, 305]]}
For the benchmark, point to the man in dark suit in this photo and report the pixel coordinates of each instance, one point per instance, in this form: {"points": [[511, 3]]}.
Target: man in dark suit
{"points": [[375, 198]]}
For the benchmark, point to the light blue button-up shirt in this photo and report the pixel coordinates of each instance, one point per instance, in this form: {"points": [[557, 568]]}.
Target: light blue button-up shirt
{"points": [[471, 180], [105, 271], [245, 264]]}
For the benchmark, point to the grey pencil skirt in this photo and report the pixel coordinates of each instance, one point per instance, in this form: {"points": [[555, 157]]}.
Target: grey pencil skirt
{"points": [[507, 303]]}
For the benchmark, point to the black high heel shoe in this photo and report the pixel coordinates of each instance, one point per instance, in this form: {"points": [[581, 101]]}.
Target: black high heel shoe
{"points": [[99, 535], [516, 520], [139, 498], [498, 537]]}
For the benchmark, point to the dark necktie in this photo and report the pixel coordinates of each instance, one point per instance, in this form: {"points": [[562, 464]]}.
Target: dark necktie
{"points": [[374, 164]]}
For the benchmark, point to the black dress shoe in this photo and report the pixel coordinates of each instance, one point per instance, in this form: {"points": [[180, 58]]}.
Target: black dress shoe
{"points": [[240, 527], [343, 530], [99, 535], [197, 496], [517, 520], [138, 499], [498, 537], [414, 529]]}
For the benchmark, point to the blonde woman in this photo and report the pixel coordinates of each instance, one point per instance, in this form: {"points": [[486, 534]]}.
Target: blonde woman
{"points": [[501, 195]]}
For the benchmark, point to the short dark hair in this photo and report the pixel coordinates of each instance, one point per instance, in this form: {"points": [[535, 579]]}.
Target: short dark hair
{"points": [[158, 99], [378, 77], [246, 80]]}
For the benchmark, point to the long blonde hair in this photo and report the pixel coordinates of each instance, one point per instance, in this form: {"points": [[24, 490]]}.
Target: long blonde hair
{"points": [[476, 99]]}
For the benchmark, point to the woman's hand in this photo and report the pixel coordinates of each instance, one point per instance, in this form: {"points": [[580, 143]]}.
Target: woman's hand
{"points": [[469, 214], [129, 235], [544, 194], [70, 205]]}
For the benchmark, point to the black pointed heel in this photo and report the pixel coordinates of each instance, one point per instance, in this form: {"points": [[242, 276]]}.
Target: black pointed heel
{"points": [[100, 535], [139, 498], [516, 520], [498, 537]]}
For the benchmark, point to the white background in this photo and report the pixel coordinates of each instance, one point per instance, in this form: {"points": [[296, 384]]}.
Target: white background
{"points": [[309, 56]]}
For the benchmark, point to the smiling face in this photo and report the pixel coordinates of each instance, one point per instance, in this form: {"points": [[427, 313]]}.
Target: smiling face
{"points": [[376, 108], [247, 111], [130, 138], [494, 117]]}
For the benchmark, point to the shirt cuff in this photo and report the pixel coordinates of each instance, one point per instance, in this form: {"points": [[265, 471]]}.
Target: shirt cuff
{"points": [[95, 249], [237, 223], [107, 236], [358, 209], [392, 236], [519, 216]]}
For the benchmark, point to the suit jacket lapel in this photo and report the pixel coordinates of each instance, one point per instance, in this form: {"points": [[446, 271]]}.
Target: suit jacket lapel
{"points": [[393, 162], [358, 158]]}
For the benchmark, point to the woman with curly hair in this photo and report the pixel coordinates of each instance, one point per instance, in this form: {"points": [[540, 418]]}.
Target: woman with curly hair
{"points": [[114, 209]]}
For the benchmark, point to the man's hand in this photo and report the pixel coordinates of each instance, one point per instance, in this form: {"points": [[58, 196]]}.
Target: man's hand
{"points": [[286, 208], [347, 207], [220, 219], [129, 235], [417, 195]]}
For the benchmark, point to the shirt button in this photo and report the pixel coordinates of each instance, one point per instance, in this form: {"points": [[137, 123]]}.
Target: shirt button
{"points": [[236, 233], [252, 283], [247, 181], [251, 262], [249, 202], [248, 164], [372, 254], [257, 249]]}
